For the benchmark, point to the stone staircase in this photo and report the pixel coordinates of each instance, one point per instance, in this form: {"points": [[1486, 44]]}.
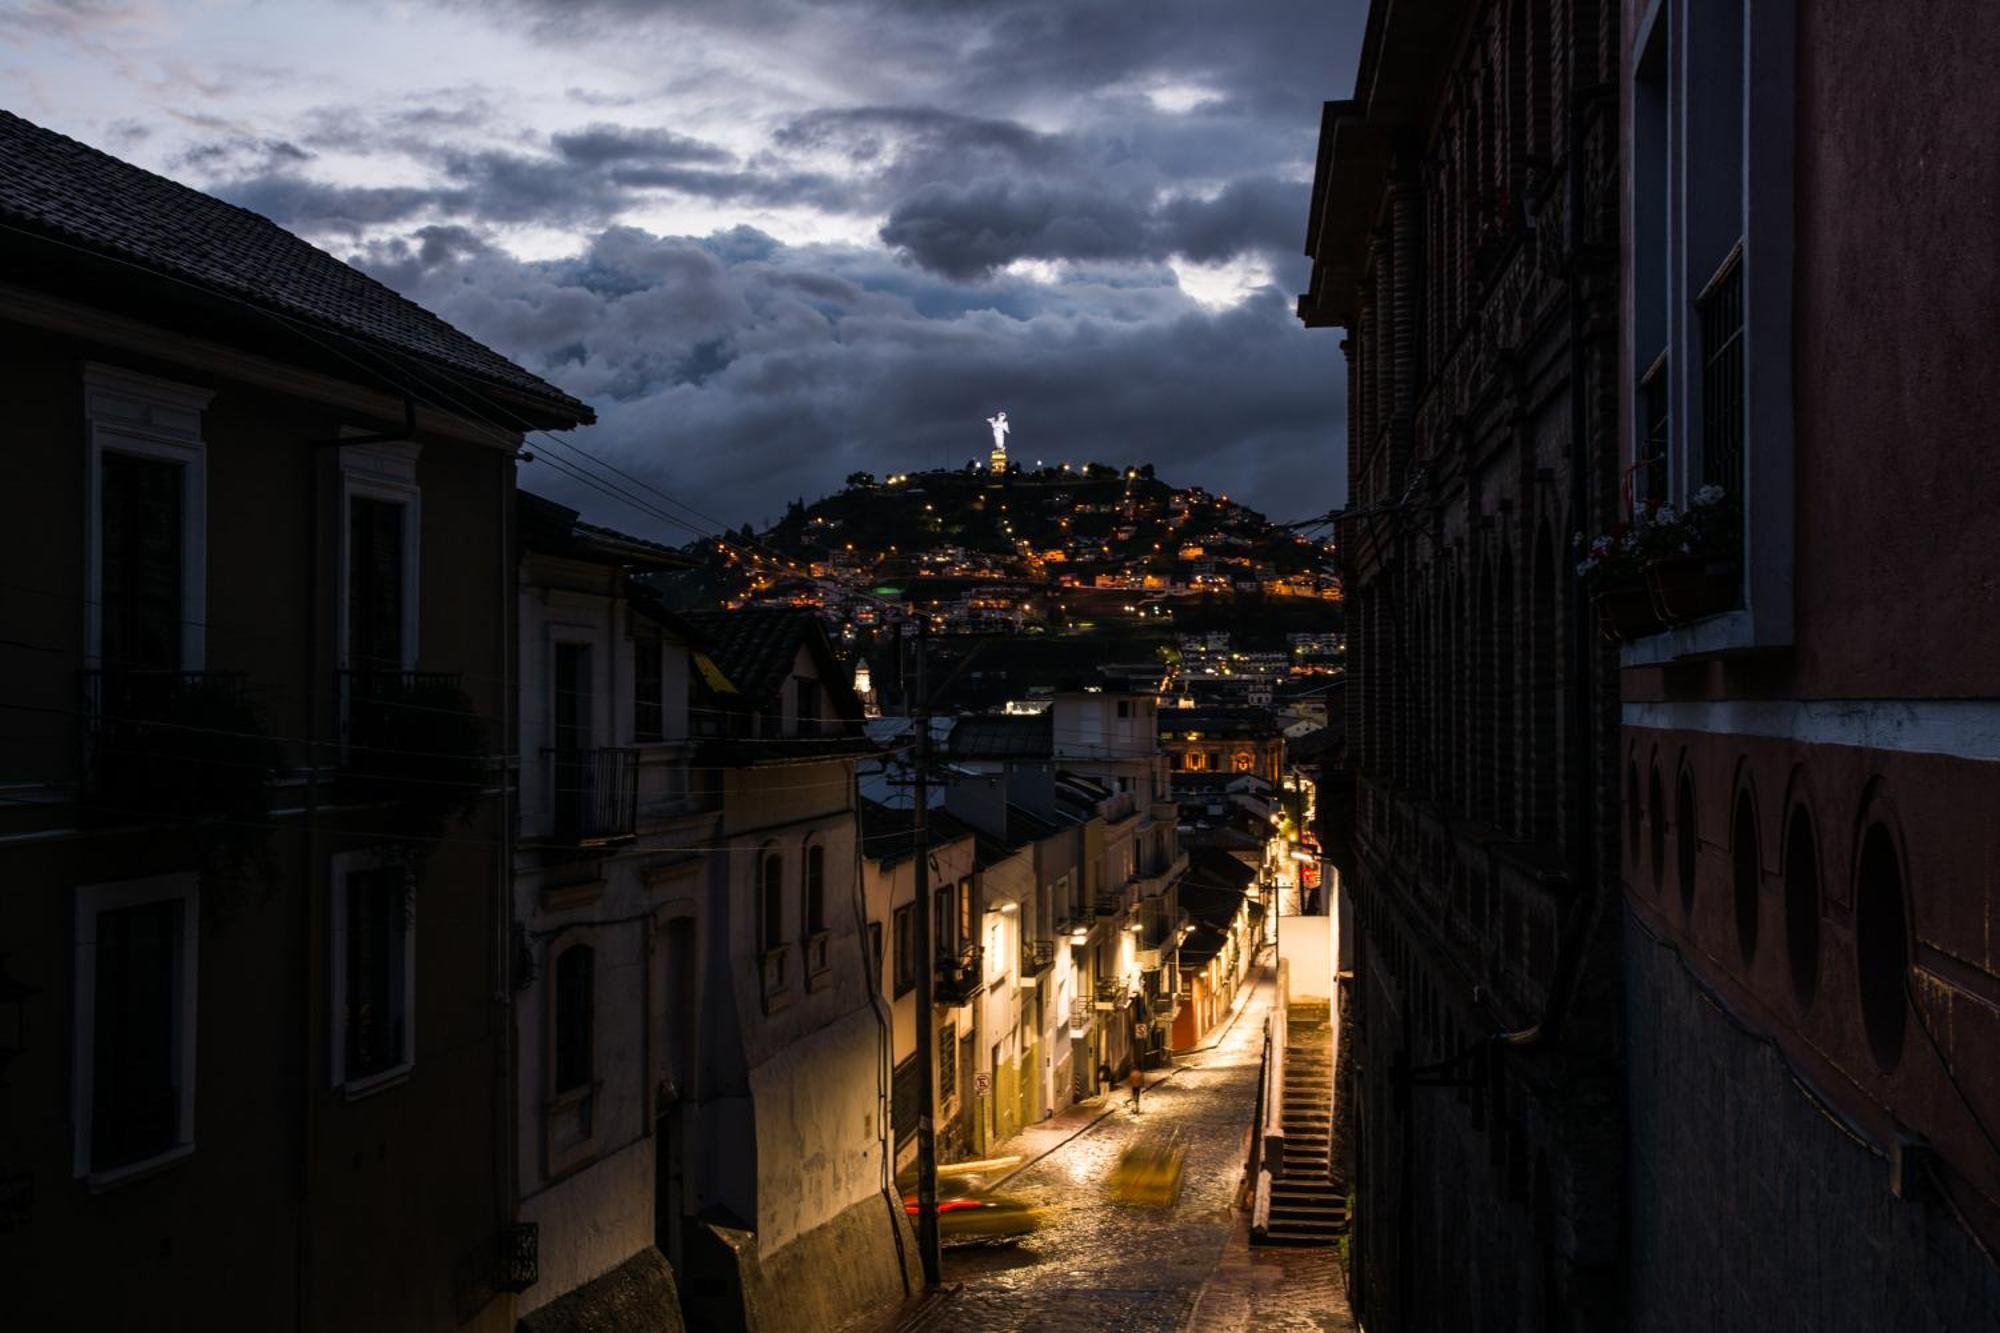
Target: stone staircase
{"points": [[1306, 1207]]}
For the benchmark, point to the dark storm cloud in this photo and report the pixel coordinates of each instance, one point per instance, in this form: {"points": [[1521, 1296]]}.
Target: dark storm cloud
{"points": [[733, 371], [968, 231], [1114, 140], [596, 145]]}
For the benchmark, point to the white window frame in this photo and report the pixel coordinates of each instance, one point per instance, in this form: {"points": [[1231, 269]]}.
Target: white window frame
{"points": [[382, 472], [1770, 90], [92, 901], [343, 865], [127, 413]]}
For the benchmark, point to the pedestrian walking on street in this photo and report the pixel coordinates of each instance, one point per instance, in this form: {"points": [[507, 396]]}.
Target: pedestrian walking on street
{"points": [[1136, 1082], [1104, 1078]]}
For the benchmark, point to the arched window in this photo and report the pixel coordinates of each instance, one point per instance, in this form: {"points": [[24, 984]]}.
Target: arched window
{"points": [[1882, 944], [1747, 867], [1243, 760], [812, 913], [1686, 845], [771, 901], [1802, 905]]}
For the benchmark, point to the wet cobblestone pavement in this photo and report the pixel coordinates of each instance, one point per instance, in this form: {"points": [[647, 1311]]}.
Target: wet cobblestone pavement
{"points": [[1106, 1265]]}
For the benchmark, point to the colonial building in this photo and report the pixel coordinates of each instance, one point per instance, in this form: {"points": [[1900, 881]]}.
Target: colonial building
{"points": [[786, 1168], [608, 886], [1223, 740], [1809, 699], [1463, 231], [258, 518]]}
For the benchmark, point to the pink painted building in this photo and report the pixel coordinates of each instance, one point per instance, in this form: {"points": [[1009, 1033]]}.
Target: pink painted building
{"points": [[1810, 745]]}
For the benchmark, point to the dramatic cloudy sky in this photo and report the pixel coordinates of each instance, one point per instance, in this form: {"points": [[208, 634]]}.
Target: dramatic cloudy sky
{"points": [[776, 241]]}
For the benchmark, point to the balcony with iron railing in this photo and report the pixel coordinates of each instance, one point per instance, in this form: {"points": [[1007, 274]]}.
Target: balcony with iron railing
{"points": [[411, 741], [1111, 992], [1037, 957], [594, 795], [179, 745], [959, 975]]}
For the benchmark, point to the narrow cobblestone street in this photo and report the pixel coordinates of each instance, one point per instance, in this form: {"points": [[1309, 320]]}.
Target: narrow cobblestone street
{"points": [[1105, 1264]]}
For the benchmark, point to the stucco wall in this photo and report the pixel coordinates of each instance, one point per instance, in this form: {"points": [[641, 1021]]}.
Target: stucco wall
{"points": [[1307, 943], [591, 1222], [1756, 1210], [819, 1124]]}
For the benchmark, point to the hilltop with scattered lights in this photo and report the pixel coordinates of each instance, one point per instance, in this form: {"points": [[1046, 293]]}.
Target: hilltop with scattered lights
{"points": [[1053, 550]]}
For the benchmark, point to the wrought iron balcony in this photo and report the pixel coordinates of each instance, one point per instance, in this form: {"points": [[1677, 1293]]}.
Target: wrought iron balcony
{"points": [[959, 976], [1111, 992], [596, 795], [412, 742], [1037, 957], [176, 744]]}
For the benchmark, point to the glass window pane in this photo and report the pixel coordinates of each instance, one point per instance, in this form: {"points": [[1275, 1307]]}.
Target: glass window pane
{"points": [[135, 1070], [140, 595], [375, 584], [377, 923]]}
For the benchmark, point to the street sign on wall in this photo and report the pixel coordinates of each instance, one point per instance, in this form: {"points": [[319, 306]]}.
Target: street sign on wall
{"points": [[982, 1083]]}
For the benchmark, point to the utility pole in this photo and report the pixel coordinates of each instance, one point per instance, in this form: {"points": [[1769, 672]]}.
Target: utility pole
{"points": [[927, 1214]]}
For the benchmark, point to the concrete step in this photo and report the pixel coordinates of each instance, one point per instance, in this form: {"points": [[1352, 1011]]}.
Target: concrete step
{"points": [[1309, 1193], [1313, 1206]]}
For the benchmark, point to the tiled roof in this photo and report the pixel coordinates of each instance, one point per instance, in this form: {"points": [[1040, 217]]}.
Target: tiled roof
{"points": [[999, 736], [1215, 866], [888, 832], [754, 647], [68, 192], [557, 529]]}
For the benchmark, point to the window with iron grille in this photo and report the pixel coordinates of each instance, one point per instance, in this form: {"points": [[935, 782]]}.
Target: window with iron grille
{"points": [[1721, 311], [948, 1062]]}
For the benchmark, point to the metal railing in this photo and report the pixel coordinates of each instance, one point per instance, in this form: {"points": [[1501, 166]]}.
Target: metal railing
{"points": [[378, 708], [595, 794], [181, 741], [958, 975], [1037, 957]]}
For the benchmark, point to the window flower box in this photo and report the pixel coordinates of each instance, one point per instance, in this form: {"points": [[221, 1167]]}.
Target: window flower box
{"points": [[1625, 612], [1691, 587]]}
